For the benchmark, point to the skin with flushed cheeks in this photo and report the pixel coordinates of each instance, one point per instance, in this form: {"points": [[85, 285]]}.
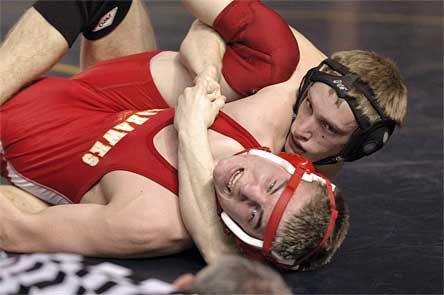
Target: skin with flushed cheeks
{"points": [[258, 183], [323, 124]]}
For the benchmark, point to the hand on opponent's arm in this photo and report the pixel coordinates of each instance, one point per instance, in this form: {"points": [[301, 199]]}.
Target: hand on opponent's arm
{"points": [[201, 52], [195, 113]]}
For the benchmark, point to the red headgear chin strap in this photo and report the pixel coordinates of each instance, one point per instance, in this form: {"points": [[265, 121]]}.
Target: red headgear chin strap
{"points": [[300, 169]]}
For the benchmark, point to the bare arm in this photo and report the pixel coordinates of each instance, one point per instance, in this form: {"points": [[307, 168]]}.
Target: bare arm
{"points": [[195, 168], [202, 49], [260, 48], [118, 229], [205, 10], [31, 48]]}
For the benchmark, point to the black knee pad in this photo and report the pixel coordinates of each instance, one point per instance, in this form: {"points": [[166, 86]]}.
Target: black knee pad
{"points": [[94, 18]]}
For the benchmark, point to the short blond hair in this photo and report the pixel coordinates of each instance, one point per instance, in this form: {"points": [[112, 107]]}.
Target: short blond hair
{"points": [[383, 77], [305, 230]]}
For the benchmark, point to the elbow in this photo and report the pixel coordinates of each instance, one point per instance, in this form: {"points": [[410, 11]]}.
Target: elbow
{"points": [[151, 237]]}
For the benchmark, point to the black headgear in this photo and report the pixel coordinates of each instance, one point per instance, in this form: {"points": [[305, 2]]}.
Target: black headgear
{"points": [[369, 137]]}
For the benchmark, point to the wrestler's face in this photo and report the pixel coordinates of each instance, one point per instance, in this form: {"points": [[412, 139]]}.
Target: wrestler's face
{"points": [[323, 124], [248, 187]]}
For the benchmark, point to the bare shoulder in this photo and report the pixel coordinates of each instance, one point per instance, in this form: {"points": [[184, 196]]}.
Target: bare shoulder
{"points": [[130, 186], [222, 146], [169, 75], [266, 115]]}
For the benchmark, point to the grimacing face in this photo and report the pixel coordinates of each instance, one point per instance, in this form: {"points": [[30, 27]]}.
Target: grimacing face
{"points": [[248, 187], [323, 125]]}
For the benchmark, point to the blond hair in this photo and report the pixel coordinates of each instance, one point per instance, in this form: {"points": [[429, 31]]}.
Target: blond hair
{"points": [[383, 77], [305, 230]]}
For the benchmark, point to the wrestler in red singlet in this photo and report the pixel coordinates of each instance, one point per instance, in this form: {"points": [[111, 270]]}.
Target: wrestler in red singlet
{"points": [[76, 133], [60, 136]]}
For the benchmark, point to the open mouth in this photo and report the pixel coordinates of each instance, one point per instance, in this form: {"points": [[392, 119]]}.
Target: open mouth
{"points": [[234, 178]]}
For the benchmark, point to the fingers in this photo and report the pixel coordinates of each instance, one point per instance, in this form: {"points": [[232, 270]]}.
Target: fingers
{"points": [[218, 103], [213, 86], [213, 96], [201, 87], [209, 89]]}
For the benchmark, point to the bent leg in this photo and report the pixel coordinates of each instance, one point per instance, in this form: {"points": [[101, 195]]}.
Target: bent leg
{"points": [[134, 35]]}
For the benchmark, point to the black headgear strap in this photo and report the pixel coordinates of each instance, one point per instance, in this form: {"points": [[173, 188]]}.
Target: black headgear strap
{"points": [[369, 137]]}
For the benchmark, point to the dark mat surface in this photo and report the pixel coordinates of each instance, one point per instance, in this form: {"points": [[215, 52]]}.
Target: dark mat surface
{"points": [[395, 244]]}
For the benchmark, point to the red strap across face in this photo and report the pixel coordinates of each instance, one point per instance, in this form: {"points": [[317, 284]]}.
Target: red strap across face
{"points": [[279, 209]]}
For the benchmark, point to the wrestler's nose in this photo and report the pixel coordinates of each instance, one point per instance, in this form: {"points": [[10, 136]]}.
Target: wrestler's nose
{"points": [[253, 192], [303, 130]]}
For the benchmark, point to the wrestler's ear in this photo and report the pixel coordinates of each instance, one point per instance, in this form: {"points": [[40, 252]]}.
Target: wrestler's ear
{"points": [[184, 281]]}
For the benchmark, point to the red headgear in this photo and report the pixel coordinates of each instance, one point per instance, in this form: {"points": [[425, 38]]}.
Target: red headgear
{"points": [[299, 168]]}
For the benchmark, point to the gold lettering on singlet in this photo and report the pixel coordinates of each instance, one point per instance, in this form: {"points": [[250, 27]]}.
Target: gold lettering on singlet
{"points": [[100, 149], [137, 119], [115, 134], [90, 159], [124, 127]]}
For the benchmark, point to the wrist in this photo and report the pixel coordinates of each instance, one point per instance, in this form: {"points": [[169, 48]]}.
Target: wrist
{"points": [[191, 132], [209, 71]]}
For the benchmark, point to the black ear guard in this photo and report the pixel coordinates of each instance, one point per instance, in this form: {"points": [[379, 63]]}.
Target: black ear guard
{"points": [[369, 137]]}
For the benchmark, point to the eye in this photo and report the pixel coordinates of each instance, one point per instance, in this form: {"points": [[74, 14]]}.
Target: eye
{"points": [[252, 215], [271, 186], [329, 128]]}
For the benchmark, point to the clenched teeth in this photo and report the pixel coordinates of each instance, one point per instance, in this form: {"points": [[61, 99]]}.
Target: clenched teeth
{"points": [[234, 178]]}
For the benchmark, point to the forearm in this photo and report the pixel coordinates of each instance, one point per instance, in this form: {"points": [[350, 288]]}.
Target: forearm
{"points": [[197, 195], [201, 48], [32, 47], [86, 229]]}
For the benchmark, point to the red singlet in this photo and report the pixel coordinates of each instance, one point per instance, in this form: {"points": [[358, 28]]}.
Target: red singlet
{"points": [[59, 136]]}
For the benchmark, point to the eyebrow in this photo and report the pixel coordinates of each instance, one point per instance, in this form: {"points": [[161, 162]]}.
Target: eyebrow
{"points": [[338, 130], [261, 213], [278, 187]]}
